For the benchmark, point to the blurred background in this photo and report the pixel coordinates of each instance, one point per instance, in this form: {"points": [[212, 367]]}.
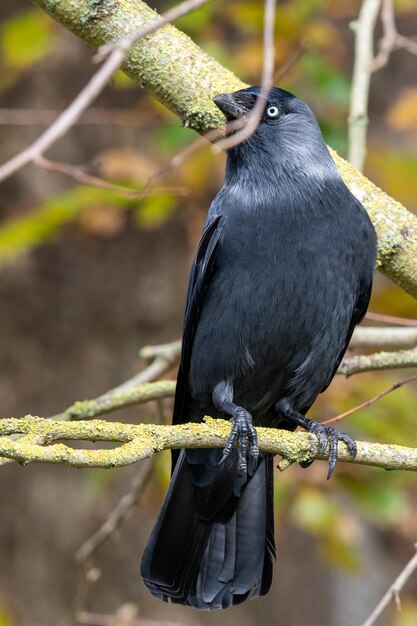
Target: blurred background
{"points": [[88, 277]]}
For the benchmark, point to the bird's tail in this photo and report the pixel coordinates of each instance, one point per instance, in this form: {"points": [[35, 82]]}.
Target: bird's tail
{"points": [[216, 554]]}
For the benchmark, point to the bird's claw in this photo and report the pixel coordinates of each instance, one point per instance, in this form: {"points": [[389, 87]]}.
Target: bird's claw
{"points": [[329, 436], [243, 432]]}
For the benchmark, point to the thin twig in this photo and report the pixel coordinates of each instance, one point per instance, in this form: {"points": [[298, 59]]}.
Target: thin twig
{"points": [[393, 592], [117, 515], [162, 357], [251, 121], [390, 319], [391, 39], [78, 174], [301, 48], [93, 88], [358, 111], [380, 395], [93, 116], [84, 556]]}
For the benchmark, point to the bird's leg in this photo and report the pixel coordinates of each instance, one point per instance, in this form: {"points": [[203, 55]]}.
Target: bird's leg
{"points": [[242, 432], [326, 435]]}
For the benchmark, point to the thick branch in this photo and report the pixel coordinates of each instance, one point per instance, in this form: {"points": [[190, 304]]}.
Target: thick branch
{"points": [[179, 74], [143, 440]]}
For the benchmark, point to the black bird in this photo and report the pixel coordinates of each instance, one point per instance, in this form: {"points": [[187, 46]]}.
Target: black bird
{"points": [[281, 277]]}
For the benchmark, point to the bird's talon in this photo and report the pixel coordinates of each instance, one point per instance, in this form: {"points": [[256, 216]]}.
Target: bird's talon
{"points": [[328, 436], [242, 433]]}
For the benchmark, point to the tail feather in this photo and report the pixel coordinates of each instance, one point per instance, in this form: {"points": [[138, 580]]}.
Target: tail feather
{"points": [[212, 562]]}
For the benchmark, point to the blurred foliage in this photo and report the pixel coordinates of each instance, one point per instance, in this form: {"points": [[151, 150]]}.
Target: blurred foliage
{"points": [[314, 44], [25, 39]]}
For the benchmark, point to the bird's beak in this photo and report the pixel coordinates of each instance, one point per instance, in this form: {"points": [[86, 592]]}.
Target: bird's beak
{"points": [[230, 107]]}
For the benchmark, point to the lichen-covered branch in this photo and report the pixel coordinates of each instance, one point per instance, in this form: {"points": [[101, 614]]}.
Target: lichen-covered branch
{"points": [[177, 72], [141, 441], [378, 361], [86, 409]]}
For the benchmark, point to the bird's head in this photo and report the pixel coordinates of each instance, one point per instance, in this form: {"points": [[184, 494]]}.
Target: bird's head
{"points": [[287, 135]]}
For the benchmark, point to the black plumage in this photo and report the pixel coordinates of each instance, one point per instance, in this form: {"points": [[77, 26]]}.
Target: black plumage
{"points": [[281, 277]]}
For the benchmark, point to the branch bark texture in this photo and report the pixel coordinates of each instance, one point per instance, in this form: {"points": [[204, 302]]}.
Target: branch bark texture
{"points": [[170, 66], [138, 442]]}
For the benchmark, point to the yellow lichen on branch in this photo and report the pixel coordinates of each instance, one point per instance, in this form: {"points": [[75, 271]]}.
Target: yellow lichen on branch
{"points": [[136, 442]]}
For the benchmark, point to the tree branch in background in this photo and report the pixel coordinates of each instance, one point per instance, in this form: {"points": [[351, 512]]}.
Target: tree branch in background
{"points": [[367, 403], [390, 319], [92, 116], [85, 554], [161, 359], [378, 361], [80, 176], [391, 39], [358, 110], [393, 592], [88, 409], [380, 337], [141, 441]]}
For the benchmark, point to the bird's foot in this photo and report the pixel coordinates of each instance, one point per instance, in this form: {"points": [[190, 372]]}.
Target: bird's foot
{"points": [[329, 436], [243, 432], [326, 435]]}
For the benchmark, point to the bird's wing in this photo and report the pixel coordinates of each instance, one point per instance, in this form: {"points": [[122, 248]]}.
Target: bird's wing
{"points": [[358, 314], [201, 273]]}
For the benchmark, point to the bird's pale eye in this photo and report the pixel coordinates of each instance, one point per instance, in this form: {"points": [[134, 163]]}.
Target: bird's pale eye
{"points": [[272, 112]]}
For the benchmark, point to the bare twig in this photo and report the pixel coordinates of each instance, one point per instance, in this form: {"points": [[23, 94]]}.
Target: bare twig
{"points": [[141, 441], [358, 111], [380, 337], [162, 357], [78, 174], [301, 48], [84, 556], [380, 395], [390, 319], [378, 361], [117, 516], [92, 116], [247, 125], [391, 39], [94, 87], [393, 592]]}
